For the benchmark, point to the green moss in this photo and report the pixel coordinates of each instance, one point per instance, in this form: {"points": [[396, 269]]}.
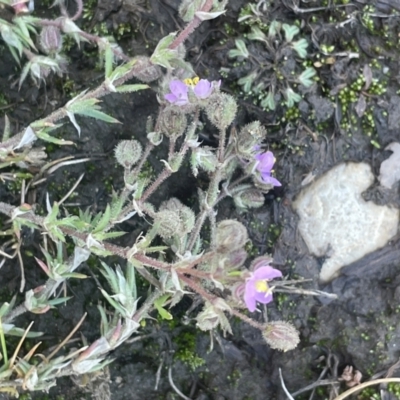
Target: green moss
{"points": [[186, 348], [394, 388]]}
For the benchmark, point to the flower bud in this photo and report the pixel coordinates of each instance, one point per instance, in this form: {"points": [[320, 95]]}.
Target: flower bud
{"points": [[260, 262], [203, 157], [231, 235], [173, 123], [221, 109], [128, 153], [213, 315], [264, 187], [281, 335], [51, 39], [248, 139], [186, 215], [169, 223], [249, 197], [237, 293], [234, 259], [144, 70]]}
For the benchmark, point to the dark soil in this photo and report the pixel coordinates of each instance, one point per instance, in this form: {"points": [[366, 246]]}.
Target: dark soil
{"points": [[361, 328]]}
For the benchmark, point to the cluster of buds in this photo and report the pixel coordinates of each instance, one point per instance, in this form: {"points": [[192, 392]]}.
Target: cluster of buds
{"points": [[174, 219], [127, 154]]}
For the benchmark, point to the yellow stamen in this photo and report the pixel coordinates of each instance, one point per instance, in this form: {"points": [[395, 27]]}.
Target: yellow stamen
{"points": [[191, 82], [262, 286]]}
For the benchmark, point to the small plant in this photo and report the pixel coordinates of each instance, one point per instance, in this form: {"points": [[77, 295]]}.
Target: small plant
{"points": [[182, 251], [270, 55]]}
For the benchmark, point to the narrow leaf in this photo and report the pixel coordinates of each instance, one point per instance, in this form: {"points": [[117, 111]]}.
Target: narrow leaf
{"points": [[104, 220], [131, 88], [98, 115]]}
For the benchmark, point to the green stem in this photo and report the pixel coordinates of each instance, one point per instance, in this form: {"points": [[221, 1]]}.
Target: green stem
{"points": [[3, 343]]}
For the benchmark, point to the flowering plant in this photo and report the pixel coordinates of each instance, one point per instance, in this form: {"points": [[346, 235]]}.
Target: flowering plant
{"points": [[186, 257], [257, 288], [265, 164], [202, 89]]}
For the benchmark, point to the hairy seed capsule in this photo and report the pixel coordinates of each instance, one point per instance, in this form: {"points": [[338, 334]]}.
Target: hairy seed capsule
{"points": [[51, 39], [281, 335], [169, 223], [221, 110], [230, 235], [145, 71], [128, 153], [248, 198], [173, 123]]}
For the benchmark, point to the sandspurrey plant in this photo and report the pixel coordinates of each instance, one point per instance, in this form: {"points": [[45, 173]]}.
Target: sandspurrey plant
{"points": [[175, 255]]}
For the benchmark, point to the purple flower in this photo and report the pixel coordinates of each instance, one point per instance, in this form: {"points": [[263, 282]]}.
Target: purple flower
{"points": [[257, 288], [203, 89], [179, 93], [265, 163]]}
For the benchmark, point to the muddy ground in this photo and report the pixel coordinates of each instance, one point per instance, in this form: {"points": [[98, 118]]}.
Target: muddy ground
{"points": [[360, 329]]}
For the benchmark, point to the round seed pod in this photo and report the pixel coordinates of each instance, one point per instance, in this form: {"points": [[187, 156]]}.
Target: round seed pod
{"points": [[51, 40], [281, 335], [221, 109], [169, 223], [128, 153], [144, 70], [248, 138], [173, 123], [186, 215], [230, 235], [248, 198]]}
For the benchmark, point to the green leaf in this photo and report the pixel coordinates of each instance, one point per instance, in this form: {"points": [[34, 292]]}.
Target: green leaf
{"points": [[290, 31], [98, 115], [162, 311], [111, 277], [291, 97], [300, 47], [104, 220], [257, 34], [306, 77], [131, 88], [7, 128], [240, 51], [274, 29], [122, 70], [162, 54], [247, 81], [108, 235], [130, 279], [116, 305], [20, 332], [23, 30], [165, 42], [108, 60], [60, 300], [10, 37], [269, 101], [42, 134], [75, 275], [53, 212]]}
